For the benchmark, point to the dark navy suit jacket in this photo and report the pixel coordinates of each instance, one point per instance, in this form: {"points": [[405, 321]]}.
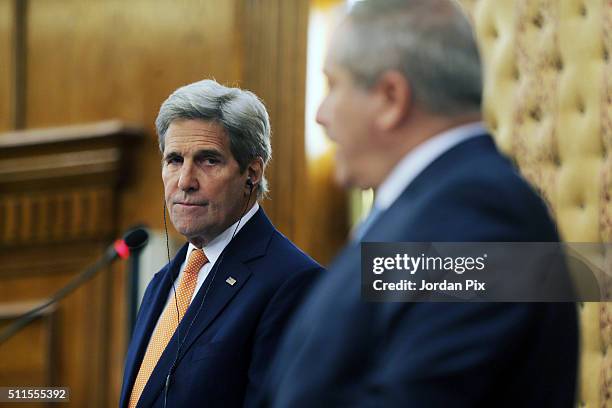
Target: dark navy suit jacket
{"points": [[343, 352], [229, 348]]}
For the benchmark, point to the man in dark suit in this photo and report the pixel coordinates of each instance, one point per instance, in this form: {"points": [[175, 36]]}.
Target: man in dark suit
{"points": [[404, 107], [210, 320]]}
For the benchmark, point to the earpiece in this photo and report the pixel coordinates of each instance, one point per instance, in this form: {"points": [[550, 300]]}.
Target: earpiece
{"points": [[249, 184]]}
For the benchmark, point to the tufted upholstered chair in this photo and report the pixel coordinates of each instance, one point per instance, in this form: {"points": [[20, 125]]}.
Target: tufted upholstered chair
{"points": [[548, 102]]}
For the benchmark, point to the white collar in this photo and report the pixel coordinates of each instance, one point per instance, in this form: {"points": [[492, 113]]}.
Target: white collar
{"points": [[413, 163], [215, 247]]}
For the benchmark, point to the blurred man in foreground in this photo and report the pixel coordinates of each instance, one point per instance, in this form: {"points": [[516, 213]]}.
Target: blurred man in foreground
{"points": [[404, 109], [208, 339]]}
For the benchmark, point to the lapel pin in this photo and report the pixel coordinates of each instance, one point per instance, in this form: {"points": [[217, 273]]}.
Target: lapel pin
{"points": [[231, 281]]}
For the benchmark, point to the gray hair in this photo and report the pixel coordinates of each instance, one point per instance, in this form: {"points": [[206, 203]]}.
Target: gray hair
{"points": [[240, 112], [429, 41]]}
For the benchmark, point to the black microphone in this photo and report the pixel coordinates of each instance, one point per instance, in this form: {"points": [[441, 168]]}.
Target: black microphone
{"points": [[134, 239]]}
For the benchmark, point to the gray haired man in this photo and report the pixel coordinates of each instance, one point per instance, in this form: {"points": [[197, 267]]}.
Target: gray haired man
{"points": [[403, 108], [210, 320]]}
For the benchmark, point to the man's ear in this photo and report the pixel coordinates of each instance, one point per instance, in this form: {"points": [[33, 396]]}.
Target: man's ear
{"points": [[255, 170], [395, 100]]}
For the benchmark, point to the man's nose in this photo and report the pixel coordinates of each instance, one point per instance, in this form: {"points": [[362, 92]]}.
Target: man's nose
{"points": [[320, 117], [187, 178], [323, 117]]}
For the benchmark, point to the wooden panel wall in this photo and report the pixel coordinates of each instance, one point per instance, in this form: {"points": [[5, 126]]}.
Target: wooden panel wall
{"points": [[58, 212], [73, 351], [96, 60], [275, 57], [36, 344], [90, 61], [6, 63]]}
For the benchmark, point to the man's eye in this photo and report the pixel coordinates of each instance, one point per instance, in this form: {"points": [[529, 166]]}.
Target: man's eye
{"points": [[211, 161], [174, 160]]}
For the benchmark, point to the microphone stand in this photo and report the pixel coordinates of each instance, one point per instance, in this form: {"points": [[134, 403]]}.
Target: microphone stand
{"points": [[74, 283], [133, 286], [120, 249]]}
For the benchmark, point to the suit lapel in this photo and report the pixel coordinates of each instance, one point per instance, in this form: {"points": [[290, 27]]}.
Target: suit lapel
{"points": [[250, 243]]}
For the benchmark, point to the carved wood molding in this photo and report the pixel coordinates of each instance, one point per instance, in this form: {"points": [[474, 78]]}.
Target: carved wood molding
{"points": [[59, 185], [59, 165]]}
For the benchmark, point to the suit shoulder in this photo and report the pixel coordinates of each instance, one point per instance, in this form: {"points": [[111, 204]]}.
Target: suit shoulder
{"points": [[493, 179], [283, 262], [288, 254], [487, 196], [284, 265]]}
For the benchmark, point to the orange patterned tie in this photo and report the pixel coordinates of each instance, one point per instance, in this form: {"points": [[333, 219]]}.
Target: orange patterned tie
{"points": [[168, 322]]}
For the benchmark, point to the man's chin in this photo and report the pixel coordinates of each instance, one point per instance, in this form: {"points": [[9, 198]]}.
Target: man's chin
{"points": [[188, 231], [341, 178], [345, 180]]}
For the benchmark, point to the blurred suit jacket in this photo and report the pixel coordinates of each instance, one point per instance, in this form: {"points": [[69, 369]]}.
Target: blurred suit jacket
{"points": [[343, 352], [228, 350]]}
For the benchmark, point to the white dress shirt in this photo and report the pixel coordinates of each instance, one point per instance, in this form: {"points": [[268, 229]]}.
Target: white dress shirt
{"points": [[419, 158]]}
